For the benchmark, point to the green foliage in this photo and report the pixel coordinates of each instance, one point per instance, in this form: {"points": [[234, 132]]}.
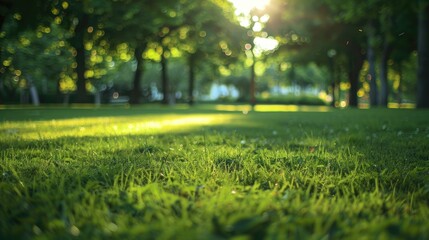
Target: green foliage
{"points": [[100, 40], [42, 56], [156, 172]]}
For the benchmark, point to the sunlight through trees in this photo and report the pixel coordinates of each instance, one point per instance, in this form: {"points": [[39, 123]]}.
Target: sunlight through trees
{"points": [[170, 51]]}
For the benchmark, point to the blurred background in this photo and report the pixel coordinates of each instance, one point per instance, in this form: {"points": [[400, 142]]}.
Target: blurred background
{"points": [[312, 52]]}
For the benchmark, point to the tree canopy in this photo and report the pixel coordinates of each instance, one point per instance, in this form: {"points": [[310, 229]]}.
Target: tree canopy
{"points": [[351, 52]]}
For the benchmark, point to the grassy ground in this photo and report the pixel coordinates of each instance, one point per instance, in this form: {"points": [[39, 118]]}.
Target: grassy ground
{"points": [[148, 172]]}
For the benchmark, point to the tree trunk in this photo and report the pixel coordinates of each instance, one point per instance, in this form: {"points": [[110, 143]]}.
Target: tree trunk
{"points": [[252, 81], [33, 92], [423, 56], [191, 79], [333, 90], [164, 79], [79, 45], [66, 100], [333, 82], [384, 94], [136, 91], [399, 94], [23, 96], [97, 98], [58, 89], [371, 77], [354, 73], [355, 65]]}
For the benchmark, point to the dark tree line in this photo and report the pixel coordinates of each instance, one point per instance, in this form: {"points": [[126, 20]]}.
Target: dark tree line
{"points": [[88, 39], [382, 33]]}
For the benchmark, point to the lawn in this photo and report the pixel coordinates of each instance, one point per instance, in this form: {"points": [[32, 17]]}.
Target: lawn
{"points": [[207, 173]]}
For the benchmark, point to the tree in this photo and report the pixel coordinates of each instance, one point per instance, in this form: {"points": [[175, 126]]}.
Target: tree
{"points": [[138, 24], [397, 28], [305, 39], [76, 17], [423, 56], [387, 25], [209, 32], [17, 12], [364, 14], [33, 40], [81, 22], [34, 60]]}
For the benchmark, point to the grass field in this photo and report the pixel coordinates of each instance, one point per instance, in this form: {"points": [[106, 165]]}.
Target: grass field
{"points": [[179, 173]]}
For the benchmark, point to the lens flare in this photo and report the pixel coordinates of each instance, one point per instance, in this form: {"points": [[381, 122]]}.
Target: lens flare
{"points": [[245, 6]]}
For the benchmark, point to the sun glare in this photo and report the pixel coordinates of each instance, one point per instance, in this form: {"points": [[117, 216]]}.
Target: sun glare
{"points": [[245, 6], [243, 10], [265, 44]]}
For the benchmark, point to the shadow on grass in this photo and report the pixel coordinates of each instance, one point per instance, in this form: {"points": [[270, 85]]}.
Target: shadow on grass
{"points": [[321, 142], [59, 113]]}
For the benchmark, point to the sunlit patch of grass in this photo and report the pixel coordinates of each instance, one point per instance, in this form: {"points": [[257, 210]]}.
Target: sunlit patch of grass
{"points": [[239, 108], [291, 108], [272, 108], [185, 173], [111, 126], [402, 105]]}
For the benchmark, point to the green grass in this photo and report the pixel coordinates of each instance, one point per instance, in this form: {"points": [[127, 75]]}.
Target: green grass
{"points": [[178, 173]]}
